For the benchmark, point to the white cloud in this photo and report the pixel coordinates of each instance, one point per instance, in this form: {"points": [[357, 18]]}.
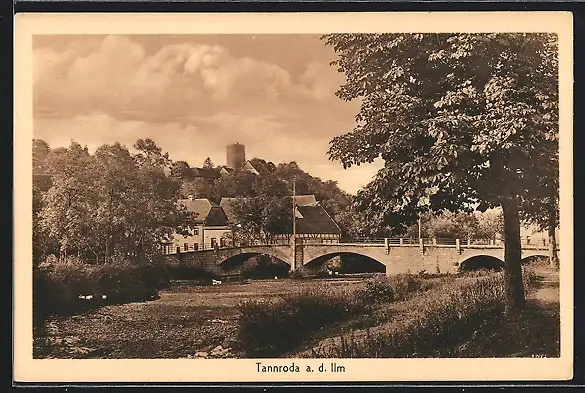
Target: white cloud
{"points": [[192, 99], [118, 76]]}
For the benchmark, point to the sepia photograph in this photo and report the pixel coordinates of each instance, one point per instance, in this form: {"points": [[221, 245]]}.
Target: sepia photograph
{"points": [[294, 203]]}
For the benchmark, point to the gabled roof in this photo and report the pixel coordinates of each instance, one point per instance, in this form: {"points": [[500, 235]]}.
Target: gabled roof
{"points": [[225, 170], [315, 219], [227, 205], [260, 166], [207, 213], [208, 173], [312, 218]]}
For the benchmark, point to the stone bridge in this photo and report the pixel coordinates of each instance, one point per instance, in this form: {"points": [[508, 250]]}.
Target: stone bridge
{"points": [[396, 256]]}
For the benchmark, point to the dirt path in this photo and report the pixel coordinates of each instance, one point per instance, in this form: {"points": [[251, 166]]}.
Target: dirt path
{"points": [[548, 291]]}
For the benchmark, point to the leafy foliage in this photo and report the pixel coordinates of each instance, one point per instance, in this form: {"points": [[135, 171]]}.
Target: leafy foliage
{"points": [[58, 285], [461, 120], [109, 203], [208, 164]]}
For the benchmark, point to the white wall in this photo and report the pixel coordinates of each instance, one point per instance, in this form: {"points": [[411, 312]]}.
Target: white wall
{"points": [[214, 232], [179, 240]]}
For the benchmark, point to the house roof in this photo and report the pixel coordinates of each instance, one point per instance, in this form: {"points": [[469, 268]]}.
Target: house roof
{"points": [[261, 166], [315, 219], [207, 213], [227, 204], [208, 173], [311, 216], [226, 169]]}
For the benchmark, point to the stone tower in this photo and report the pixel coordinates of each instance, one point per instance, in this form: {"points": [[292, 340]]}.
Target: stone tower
{"points": [[236, 156]]}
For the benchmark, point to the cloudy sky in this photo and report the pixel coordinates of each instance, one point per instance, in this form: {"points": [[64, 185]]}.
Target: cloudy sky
{"points": [[193, 95]]}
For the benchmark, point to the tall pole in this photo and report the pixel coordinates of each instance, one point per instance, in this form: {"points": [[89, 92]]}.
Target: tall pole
{"points": [[294, 207], [419, 228], [294, 220]]}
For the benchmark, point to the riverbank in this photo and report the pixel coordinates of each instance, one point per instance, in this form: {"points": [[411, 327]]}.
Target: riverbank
{"points": [[202, 321]]}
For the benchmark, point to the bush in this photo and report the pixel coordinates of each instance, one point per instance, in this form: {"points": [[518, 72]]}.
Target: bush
{"points": [[270, 328], [58, 285], [391, 288], [437, 325]]}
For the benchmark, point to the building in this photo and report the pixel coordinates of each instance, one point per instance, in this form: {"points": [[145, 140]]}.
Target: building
{"points": [[206, 173], [236, 156], [313, 223], [211, 231], [224, 170], [259, 166]]}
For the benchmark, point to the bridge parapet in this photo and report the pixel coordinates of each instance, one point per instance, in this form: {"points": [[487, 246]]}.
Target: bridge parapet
{"points": [[398, 255]]}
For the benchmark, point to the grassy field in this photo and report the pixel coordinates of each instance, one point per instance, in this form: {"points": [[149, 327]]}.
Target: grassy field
{"points": [[187, 319]]}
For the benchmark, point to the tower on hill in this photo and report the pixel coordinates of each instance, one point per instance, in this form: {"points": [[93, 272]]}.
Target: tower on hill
{"points": [[236, 156]]}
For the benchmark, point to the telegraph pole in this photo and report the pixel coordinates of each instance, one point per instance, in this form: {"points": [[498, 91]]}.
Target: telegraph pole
{"points": [[294, 221]]}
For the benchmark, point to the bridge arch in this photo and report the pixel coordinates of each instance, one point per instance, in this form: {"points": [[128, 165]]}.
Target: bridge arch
{"points": [[241, 258], [481, 261], [368, 263], [534, 258]]}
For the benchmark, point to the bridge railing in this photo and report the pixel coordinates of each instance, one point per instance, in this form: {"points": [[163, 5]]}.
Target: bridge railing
{"points": [[525, 241]]}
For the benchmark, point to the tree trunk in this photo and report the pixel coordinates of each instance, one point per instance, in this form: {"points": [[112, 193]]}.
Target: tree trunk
{"points": [[552, 247], [512, 256]]}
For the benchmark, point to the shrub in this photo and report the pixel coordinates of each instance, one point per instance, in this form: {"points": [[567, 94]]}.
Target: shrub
{"points": [[434, 329], [58, 285], [270, 328], [391, 288]]}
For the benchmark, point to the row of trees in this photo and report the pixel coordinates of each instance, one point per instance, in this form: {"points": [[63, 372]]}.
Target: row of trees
{"points": [[107, 204], [462, 121]]}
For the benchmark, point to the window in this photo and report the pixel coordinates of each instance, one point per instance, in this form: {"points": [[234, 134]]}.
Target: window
{"points": [[196, 231], [178, 250], [213, 242], [186, 246], [221, 242], [195, 246]]}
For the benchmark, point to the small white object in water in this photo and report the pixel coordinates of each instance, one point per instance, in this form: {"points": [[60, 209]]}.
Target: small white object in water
{"points": [[104, 296], [88, 297], [215, 282]]}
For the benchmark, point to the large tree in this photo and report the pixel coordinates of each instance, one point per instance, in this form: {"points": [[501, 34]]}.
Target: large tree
{"points": [[41, 151], [181, 170], [461, 120], [110, 204], [263, 217]]}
